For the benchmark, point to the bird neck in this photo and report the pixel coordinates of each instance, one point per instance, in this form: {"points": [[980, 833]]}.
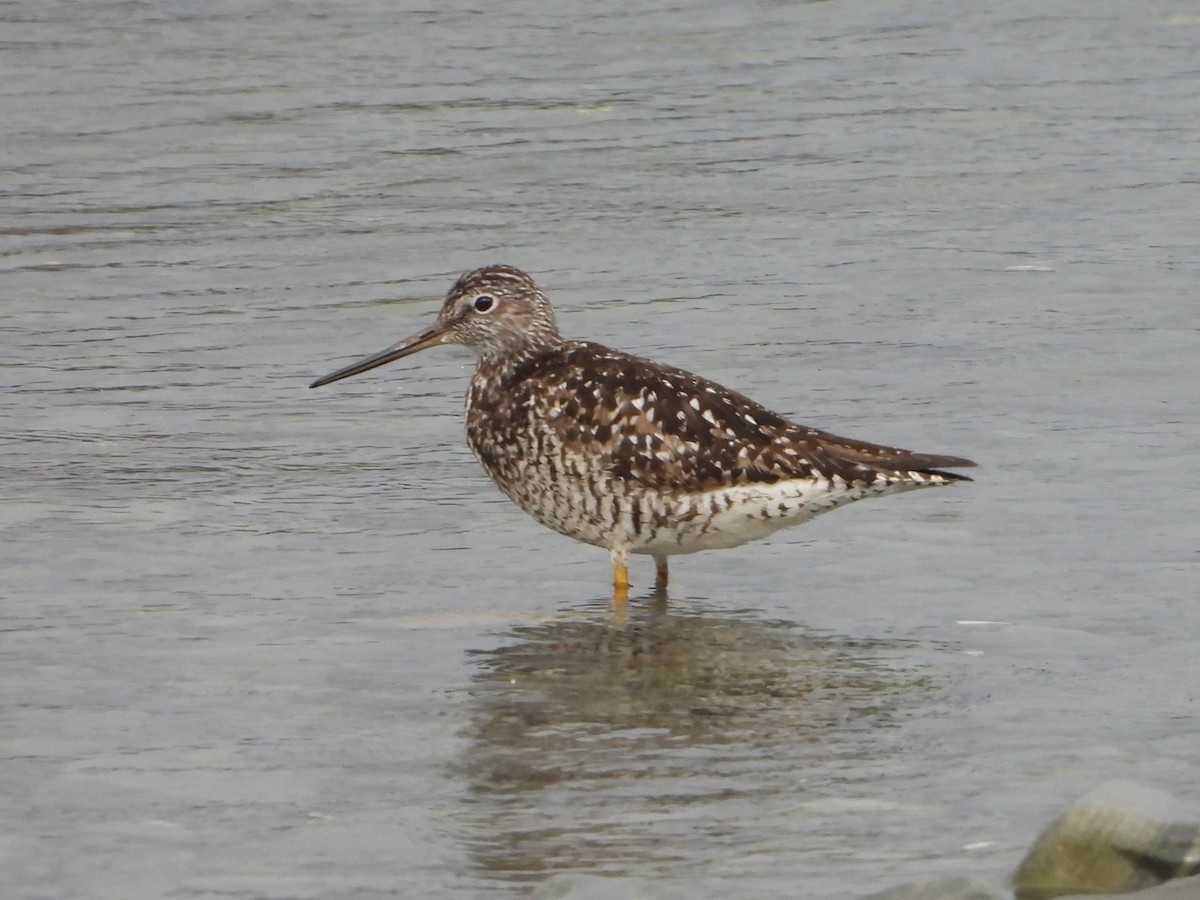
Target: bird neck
{"points": [[528, 345], [495, 369]]}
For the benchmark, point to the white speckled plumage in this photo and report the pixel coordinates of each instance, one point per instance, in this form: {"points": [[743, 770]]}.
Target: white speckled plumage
{"points": [[632, 456]]}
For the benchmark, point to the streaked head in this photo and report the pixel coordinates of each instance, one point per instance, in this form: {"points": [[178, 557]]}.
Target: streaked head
{"points": [[497, 311]]}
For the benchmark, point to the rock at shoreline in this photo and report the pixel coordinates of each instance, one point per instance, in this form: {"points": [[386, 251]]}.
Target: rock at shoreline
{"points": [[1119, 837]]}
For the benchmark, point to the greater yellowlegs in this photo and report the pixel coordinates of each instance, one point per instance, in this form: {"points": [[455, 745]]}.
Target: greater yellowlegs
{"points": [[618, 451]]}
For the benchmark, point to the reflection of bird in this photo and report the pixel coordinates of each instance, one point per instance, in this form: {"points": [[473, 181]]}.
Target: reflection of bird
{"points": [[674, 716], [623, 453]]}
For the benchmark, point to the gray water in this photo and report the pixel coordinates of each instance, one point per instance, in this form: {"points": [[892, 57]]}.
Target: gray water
{"points": [[266, 642]]}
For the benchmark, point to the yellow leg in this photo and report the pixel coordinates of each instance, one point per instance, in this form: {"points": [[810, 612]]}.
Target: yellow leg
{"points": [[620, 598], [620, 583], [620, 564]]}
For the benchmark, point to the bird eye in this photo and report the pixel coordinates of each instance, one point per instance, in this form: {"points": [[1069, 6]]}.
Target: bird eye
{"points": [[484, 303]]}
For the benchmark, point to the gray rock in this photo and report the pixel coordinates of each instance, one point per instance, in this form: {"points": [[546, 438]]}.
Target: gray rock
{"points": [[1121, 836]]}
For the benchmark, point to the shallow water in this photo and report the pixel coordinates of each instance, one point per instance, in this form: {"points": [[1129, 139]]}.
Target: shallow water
{"points": [[267, 642]]}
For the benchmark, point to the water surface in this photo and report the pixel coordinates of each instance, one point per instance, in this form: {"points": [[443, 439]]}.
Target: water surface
{"points": [[261, 641]]}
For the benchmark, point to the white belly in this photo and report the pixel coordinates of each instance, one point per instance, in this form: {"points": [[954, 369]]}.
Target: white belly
{"points": [[728, 517]]}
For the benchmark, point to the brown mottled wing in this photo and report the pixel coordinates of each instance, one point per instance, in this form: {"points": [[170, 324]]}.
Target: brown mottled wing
{"points": [[669, 429]]}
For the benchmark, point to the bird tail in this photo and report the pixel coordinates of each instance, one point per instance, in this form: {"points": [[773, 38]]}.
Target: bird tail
{"points": [[894, 459]]}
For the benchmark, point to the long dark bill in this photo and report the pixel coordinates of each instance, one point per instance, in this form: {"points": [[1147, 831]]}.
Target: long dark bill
{"points": [[431, 338]]}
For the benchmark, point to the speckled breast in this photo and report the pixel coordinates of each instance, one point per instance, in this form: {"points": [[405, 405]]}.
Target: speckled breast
{"points": [[565, 489]]}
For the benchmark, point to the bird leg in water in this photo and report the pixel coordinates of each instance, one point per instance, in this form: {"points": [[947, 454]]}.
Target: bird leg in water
{"points": [[620, 565], [660, 573]]}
